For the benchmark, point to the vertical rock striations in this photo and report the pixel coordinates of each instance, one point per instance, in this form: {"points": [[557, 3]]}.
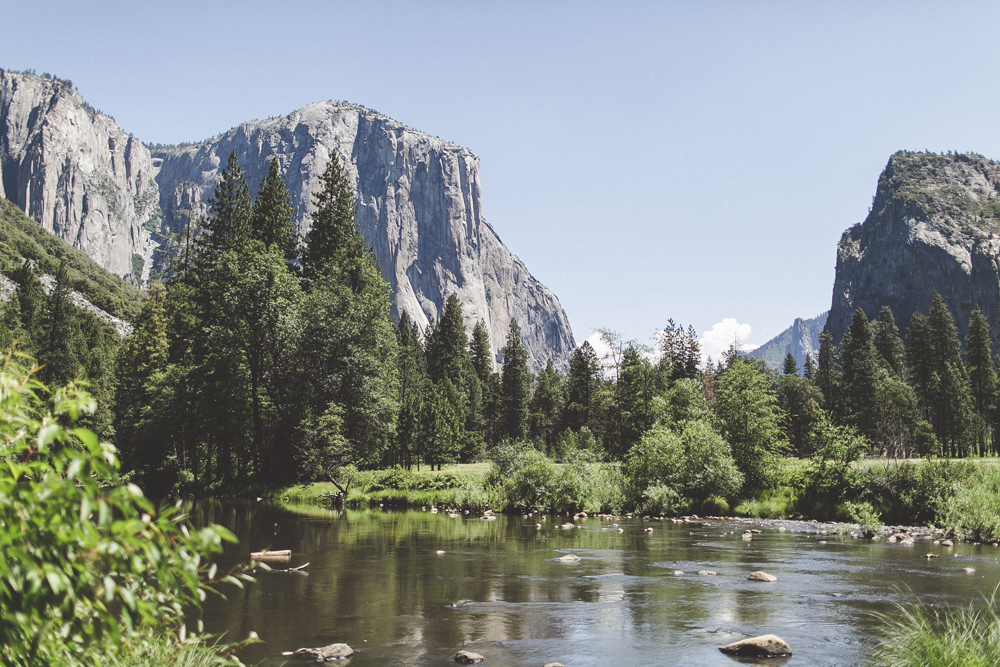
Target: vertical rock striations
{"points": [[934, 227], [800, 339], [76, 173], [418, 202]]}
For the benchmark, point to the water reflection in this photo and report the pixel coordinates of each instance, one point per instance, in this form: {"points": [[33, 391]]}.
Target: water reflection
{"points": [[376, 582]]}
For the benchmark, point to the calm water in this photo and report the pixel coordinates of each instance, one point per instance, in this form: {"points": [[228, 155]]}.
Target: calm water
{"points": [[375, 582]]}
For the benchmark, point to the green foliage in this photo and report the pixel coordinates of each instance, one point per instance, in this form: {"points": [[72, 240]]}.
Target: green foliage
{"points": [[693, 465], [863, 514], [88, 561], [973, 508], [750, 421], [334, 239]]}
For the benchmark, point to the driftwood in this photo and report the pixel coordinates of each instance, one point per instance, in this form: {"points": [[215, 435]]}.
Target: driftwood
{"points": [[269, 556], [291, 570]]}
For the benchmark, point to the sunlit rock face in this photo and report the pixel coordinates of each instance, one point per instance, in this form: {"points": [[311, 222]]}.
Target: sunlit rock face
{"points": [[418, 203], [80, 176], [934, 228], [76, 173]]}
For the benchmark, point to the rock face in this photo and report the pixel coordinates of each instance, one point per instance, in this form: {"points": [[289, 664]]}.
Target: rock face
{"points": [[418, 203], [800, 339], [418, 199], [934, 227], [76, 173]]}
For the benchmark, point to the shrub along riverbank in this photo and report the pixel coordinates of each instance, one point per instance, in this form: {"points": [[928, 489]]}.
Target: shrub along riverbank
{"points": [[962, 496]]}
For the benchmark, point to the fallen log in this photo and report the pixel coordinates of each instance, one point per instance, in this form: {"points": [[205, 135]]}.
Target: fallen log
{"points": [[264, 556]]}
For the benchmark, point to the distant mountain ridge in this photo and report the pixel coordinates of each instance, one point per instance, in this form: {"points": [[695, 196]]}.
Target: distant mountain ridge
{"points": [[800, 339], [418, 200]]}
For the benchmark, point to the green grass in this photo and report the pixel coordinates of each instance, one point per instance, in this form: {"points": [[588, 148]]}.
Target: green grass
{"points": [[917, 635], [23, 238]]}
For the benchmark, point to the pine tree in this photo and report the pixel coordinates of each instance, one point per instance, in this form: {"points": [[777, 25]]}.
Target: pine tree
{"points": [[888, 344], [514, 385], [448, 348], [273, 216], [60, 364], [860, 375], [809, 368], [790, 367], [546, 405], [230, 212], [919, 357], [828, 377], [949, 398], [581, 386], [982, 375], [334, 237], [479, 351]]}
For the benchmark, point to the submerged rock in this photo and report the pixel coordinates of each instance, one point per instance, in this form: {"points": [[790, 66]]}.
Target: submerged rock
{"points": [[762, 646]]}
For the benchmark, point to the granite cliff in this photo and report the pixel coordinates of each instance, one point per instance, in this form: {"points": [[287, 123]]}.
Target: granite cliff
{"points": [[76, 173], [418, 199], [934, 227]]}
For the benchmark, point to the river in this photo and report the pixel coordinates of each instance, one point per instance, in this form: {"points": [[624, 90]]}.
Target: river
{"points": [[376, 582]]}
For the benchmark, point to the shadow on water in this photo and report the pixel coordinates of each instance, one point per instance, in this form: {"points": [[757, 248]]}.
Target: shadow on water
{"points": [[376, 582]]}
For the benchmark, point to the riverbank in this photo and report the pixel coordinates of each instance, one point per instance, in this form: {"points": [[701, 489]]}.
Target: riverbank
{"points": [[960, 498]]}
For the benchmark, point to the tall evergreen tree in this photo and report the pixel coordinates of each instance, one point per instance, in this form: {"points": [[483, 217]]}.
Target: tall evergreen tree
{"points": [[60, 364], [919, 358], [888, 344], [949, 398], [809, 368], [828, 377], [515, 381], [982, 374], [861, 375], [273, 216], [334, 229], [790, 367], [581, 386], [230, 212], [479, 351], [546, 405], [448, 348]]}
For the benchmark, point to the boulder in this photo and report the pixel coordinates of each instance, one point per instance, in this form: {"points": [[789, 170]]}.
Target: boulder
{"points": [[569, 558], [707, 573], [468, 657], [323, 653], [762, 576], [762, 646]]}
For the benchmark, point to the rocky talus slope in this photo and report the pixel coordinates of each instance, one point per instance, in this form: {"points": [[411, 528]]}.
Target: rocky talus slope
{"points": [[75, 172], [934, 227], [418, 199]]}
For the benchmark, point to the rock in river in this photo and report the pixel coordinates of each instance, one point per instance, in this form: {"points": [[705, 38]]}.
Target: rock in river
{"points": [[762, 646], [762, 576], [324, 653], [468, 657]]}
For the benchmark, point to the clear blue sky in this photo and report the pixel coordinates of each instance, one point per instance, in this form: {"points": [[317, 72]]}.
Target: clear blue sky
{"points": [[693, 160]]}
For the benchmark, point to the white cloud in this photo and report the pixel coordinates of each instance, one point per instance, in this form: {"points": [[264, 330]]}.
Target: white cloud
{"points": [[717, 340]]}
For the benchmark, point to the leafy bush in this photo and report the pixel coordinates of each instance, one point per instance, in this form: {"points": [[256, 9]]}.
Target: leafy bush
{"points": [[539, 482], [695, 463], [974, 507], [862, 514], [87, 562]]}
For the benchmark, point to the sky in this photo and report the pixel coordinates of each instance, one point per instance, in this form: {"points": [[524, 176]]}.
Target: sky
{"points": [[647, 160]]}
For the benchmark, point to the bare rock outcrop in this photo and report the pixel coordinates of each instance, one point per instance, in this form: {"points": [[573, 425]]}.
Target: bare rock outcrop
{"points": [[418, 203], [77, 173], [934, 227]]}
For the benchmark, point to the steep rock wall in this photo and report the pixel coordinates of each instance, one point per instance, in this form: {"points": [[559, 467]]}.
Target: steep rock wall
{"points": [[418, 203], [934, 228], [76, 173]]}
